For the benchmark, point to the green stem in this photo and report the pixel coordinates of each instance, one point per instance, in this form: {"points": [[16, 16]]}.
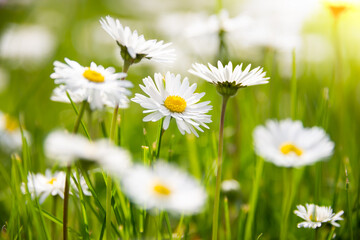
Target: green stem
{"points": [[253, 201], [293, 88], [287, 180], [68, 171], [161, 132], [219, 167], [108, 180], [227, 219], [53, 224], [348, 204]]}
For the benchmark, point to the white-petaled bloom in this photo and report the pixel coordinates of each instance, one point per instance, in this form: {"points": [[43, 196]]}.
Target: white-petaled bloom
{"points": [[288, 144], [134, 46], [66, 148], [98, 85], [227, 80], [164, 187], [315, 216], [10, 134], [27, 45], [174, 100], [230, 185], [59, 95], [42, 186]]}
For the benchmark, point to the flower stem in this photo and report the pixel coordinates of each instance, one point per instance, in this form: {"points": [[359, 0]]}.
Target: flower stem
{"points": [[108, 180], [161, 132], [219, 167], [68, 171]]}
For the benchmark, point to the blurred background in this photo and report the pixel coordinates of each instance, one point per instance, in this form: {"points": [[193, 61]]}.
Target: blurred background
{"points": [[320, 38]]}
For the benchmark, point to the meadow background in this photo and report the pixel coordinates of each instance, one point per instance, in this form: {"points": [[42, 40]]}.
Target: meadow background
{"points": [[324, 91]]}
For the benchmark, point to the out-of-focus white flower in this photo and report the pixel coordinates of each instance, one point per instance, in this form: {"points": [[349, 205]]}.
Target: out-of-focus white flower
{"points": [[95, 84], [10, 134], [227, 80], [136, 46], [66, 148], [164, 187], [26, 45], [174, 100], [230, 185], [315, 216], [42, 186], [288, 144], [276, 24]]}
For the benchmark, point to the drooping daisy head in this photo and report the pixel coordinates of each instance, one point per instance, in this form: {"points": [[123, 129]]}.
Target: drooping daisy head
{"points": [[95, 84], [288, 144], [170, 97], [227, 80], [164, 187], [134, 47], [315, 216], [42, 186], [66, 148]]}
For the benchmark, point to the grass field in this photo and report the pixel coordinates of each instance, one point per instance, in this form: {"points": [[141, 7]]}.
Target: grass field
{"points": [[315, 81]]}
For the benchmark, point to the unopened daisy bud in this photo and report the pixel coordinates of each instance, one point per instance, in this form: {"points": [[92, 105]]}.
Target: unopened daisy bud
{"points": [[230, 185], [227, 80], [315, 216]]}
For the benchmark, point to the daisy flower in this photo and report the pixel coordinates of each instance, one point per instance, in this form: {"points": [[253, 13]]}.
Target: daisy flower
{"points": [[288, 144], [164, 187], [315, 215], [174, 100], [10, 134], [98, 85], [135, 47], [337, 7], [42, 186], [67, 147], [227, 80]]}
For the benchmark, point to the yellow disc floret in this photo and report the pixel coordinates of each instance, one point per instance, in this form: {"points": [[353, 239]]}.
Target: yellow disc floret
{"points": [[52, 180], [11, 123], [162, 190], [93, 76], [175, 104], [287, 148]]}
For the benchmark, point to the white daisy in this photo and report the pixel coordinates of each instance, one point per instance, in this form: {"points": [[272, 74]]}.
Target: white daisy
{"points": [[288, 144], [59, 95], [315, 215], [101, 86], [227, 80], [136, 46], [42, 186], [174, 100], [10, 134], [164, 187], [67, 147], [27, 45]]}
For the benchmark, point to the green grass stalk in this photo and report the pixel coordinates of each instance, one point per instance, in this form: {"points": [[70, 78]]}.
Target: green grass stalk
{"points": [[219, 167], [253, 200]]}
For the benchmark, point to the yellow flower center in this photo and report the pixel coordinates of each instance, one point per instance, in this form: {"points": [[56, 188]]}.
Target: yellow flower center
{"points": [[52, 180], [287, 148], [175, 104], [338, 8], [11, 124], [93, 76], [162, 190]]}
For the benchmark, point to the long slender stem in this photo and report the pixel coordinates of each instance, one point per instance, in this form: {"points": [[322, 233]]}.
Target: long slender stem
{"points": [[53, 224], [219, 167], [108, 180], [161, 132], [67, 181]]}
